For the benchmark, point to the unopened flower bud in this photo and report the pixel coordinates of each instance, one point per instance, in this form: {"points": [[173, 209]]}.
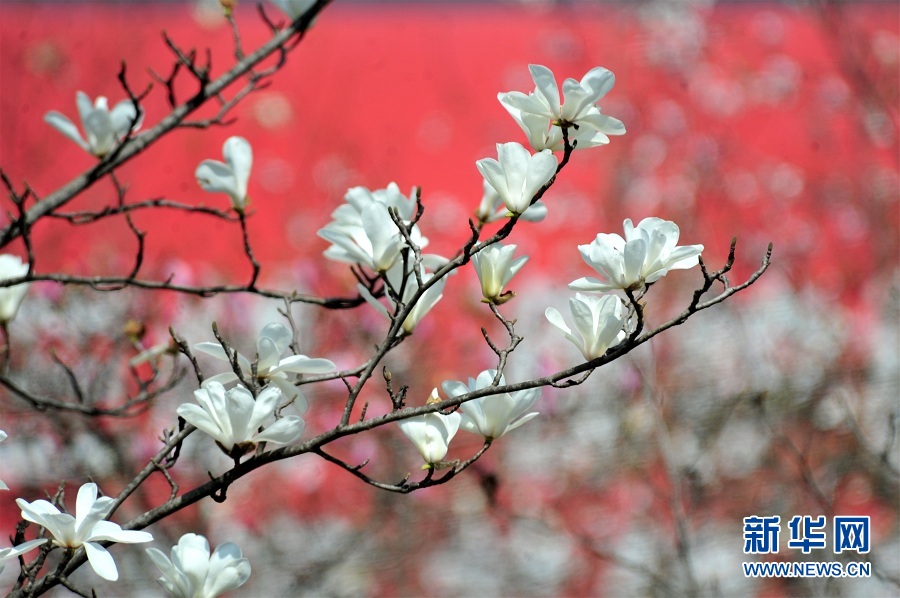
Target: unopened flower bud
{"points": [[228, 6], [433, 398], [134, 330]]}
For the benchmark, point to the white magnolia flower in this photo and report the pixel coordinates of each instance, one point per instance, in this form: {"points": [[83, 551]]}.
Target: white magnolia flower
{"points": [[432, 432], [599, 323], [294, 8], [492, 209], [395, 278], [11, 297], [518, 175], [376, 243], [645, 255], [273, 340], [87, 528], [363, 232], [233, 418], [193, 573], [541, 113], [230, 177], [104, 128], [495, 267], [494, 415]]}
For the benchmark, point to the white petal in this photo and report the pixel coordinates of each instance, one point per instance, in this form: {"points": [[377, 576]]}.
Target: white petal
{"points": [[268, 355], [301, 364], [263, 408], [61, 123], [84, 502], [191, 558], [599, 80], [541, 168], [101, 561], [98, 128], [242, 414], [554, 317], [216, 350], [239, 156], [223, 378], [634, 256], [227, 570], [213, 349], [371, 300], [13, 552], [216, 177], [291, 393], [107, 530], [546, 87], [284, 431], [279, 334], [122, 116], [84, 105], [200, 419], [494, 176], [590, 285]]}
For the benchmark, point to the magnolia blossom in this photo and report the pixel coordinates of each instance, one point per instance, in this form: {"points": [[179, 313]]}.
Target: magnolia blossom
{"points": [[645, 255], [230, 177], [193, 573], [363, 232], [103, 128], [87, 528], [492, 209], [376, 243], [273, 340], [494, 415], [518, 175], [294, 8], [11, 297], [398, 278], [233, 418], [495, 267], [599, 323], [432, 432], [541, 114]]}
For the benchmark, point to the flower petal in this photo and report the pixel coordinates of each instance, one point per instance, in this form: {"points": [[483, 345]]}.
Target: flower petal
{"points": [[61, 123], [263, 408], [200, 419], [122, 116], [268, 355], [286, 430], [101, 561], [301, 364], [107, 530], [227, 570], [291, 393], [546, 86], [216, 177], [279, 334], [239, 156]]}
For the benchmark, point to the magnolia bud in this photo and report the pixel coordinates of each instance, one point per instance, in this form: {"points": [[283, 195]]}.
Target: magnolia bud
{"points": [[134, 330], [228, 6], [433, 398]]}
